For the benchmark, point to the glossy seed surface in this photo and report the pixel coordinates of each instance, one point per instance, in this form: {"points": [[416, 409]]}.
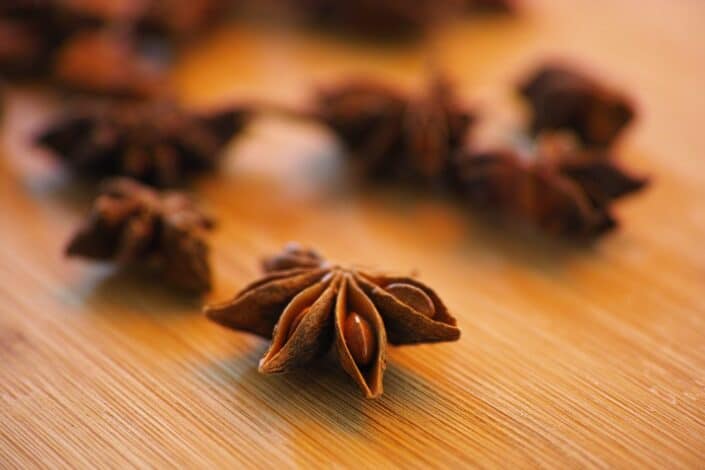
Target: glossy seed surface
{"points": [[360, 339], [413, 297]]}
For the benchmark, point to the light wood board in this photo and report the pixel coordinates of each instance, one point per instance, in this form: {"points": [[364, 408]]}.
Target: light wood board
{"points": [[570, 357]]}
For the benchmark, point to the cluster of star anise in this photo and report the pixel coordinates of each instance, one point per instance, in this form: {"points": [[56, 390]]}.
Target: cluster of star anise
{"points": [[134, 224], [563, 178], [553, 183], [306, 305], [566, 177], [156, 142], [100, 46]]}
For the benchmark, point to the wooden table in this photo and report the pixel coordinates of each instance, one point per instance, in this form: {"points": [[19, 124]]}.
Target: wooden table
{"points": [[570, 356]]}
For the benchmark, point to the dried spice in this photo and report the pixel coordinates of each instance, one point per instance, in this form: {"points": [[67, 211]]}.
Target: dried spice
{"points": [[155, 142], [28, 33], [102, 12], [108, 62], [178, 18], [392, 18], [77, 40], [385, 18], [561, 188], [306, 305], [133, 224], [392, 135], [562, 98], [499, 6], [172, 18], [293, 256]]}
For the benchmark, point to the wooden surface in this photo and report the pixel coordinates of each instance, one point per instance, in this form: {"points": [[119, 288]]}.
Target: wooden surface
{"points": [[570, 357]]}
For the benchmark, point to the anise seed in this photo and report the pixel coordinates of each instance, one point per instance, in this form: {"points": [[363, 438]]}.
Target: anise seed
{"points": [[360, 339], [413, 297]]}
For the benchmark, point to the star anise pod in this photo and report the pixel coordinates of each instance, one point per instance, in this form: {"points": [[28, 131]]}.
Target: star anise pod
{"points": [[379, 18], [179, 18], [306, 304], [394, 135], [155, 142], [28, 34], [78, 14], [563, 98], [174, 18], [392, 19], [108, 62], [563, 189], [134, 224], [499, 6]]}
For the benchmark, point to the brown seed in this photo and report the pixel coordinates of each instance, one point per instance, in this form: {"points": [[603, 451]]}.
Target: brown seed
{"points": [[296, 321], [360, 339], [413, 297]]}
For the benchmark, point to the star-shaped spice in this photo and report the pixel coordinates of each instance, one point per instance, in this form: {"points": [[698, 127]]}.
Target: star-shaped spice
{"points": [[134, 224], [393, 18], [108, 62], [28, 33], [104, 46], [561, 188], [306, 304], [378, 18], [501, 6], [564, 98], [179, 18], [164, 17], [394, 135], [155, 142]]}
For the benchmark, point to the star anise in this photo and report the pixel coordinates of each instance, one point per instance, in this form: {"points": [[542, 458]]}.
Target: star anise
{"points": [[392, 18], [102, 12], [563, 189], [174, 18], [379, 18], [108, 62], [134, 224], [393, 135], [75, 41], [28, 33], [562, 98], [156, 142], [180, 18], [500, 6], [306, 304]]}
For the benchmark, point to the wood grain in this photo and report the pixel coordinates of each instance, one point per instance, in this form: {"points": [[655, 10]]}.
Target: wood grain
{"points": [[570, 356]]}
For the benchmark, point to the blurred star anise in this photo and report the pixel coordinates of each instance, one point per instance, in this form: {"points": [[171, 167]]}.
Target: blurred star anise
{"points": [[379, 18], [173, 18], [501, 6], [393, 135], [108, 62], [563, 98], [306, 304], [28, 34], [76, 40], [155, 142], [133, 224], [563, 189], [392, 19]]}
